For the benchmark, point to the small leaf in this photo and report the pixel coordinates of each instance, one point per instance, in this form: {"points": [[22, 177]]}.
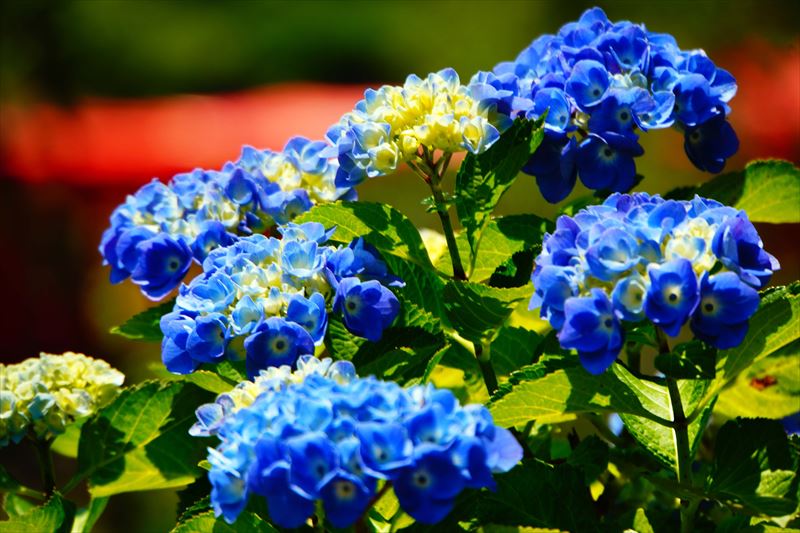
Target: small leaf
{"points": [[145, 325], [484, 178], [141, 442], [66, 444], [205, 522], [381, 225], [768, 190], [86, 518], [15, 505], [55, 515], [194, 499], [640, 522], [753, 466], [690, 360], [230, 370]]}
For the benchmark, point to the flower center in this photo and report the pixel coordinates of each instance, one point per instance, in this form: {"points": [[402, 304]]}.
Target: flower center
{"points": [[422, 479]]}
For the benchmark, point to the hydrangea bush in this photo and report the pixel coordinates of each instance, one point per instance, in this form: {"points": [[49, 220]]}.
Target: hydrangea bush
{"points": [[625, 366]]}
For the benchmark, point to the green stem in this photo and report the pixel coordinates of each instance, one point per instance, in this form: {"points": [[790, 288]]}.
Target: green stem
{"points": [[483, 355], [634, 352], [683, 450], [46, 465], [434, 182], [602, 428], [29, 492]]}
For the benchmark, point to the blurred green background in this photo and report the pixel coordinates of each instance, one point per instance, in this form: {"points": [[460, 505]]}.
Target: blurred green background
{"points": [[65, 52]]}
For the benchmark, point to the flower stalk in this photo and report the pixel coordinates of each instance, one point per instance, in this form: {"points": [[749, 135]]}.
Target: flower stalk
{"points": [[45, 456], [680, 431]]}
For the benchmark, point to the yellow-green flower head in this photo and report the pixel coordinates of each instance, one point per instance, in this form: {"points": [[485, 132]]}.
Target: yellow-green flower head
{"points": [[211, 415], [394, 124], [46, 393]]}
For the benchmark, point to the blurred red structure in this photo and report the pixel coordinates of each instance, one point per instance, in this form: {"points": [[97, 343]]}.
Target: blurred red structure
{"points": [[766, 109], [105, 142]]}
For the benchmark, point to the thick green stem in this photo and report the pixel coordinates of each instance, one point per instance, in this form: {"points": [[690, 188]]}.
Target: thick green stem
{"points": [[46, 465], [683, 449], [634, 352], [434, 182], [483, 355]]}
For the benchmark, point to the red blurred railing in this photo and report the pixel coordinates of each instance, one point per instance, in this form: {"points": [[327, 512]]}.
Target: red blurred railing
{"points": [[130, 141]]}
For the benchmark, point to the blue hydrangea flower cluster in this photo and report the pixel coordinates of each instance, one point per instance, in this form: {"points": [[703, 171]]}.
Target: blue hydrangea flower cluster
{"points": [[42, 395], [393, 124], [601, 83], [638, 257], [157, 233], [267, 300], [332, 436]]}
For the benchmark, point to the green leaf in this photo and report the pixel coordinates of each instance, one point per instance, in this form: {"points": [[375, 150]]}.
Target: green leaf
{"points": [[231, 371], [689, 360], [769, 191], [590, 457], [772, 327], [753, 466], [658, 439], [405, 349], [423, 285], [402, 353], [558, 385], [340, 343], [187, 508], [381, 225], [141, 442], [87, 517], [484, 178], [15, 505], [66, 444], [640, 522], [145, 325], [514, 272], [769, 388], [205, 379], [207, 522], [513, 348], [502, 238], [536, 494], [476, 310], [55, 515]]}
